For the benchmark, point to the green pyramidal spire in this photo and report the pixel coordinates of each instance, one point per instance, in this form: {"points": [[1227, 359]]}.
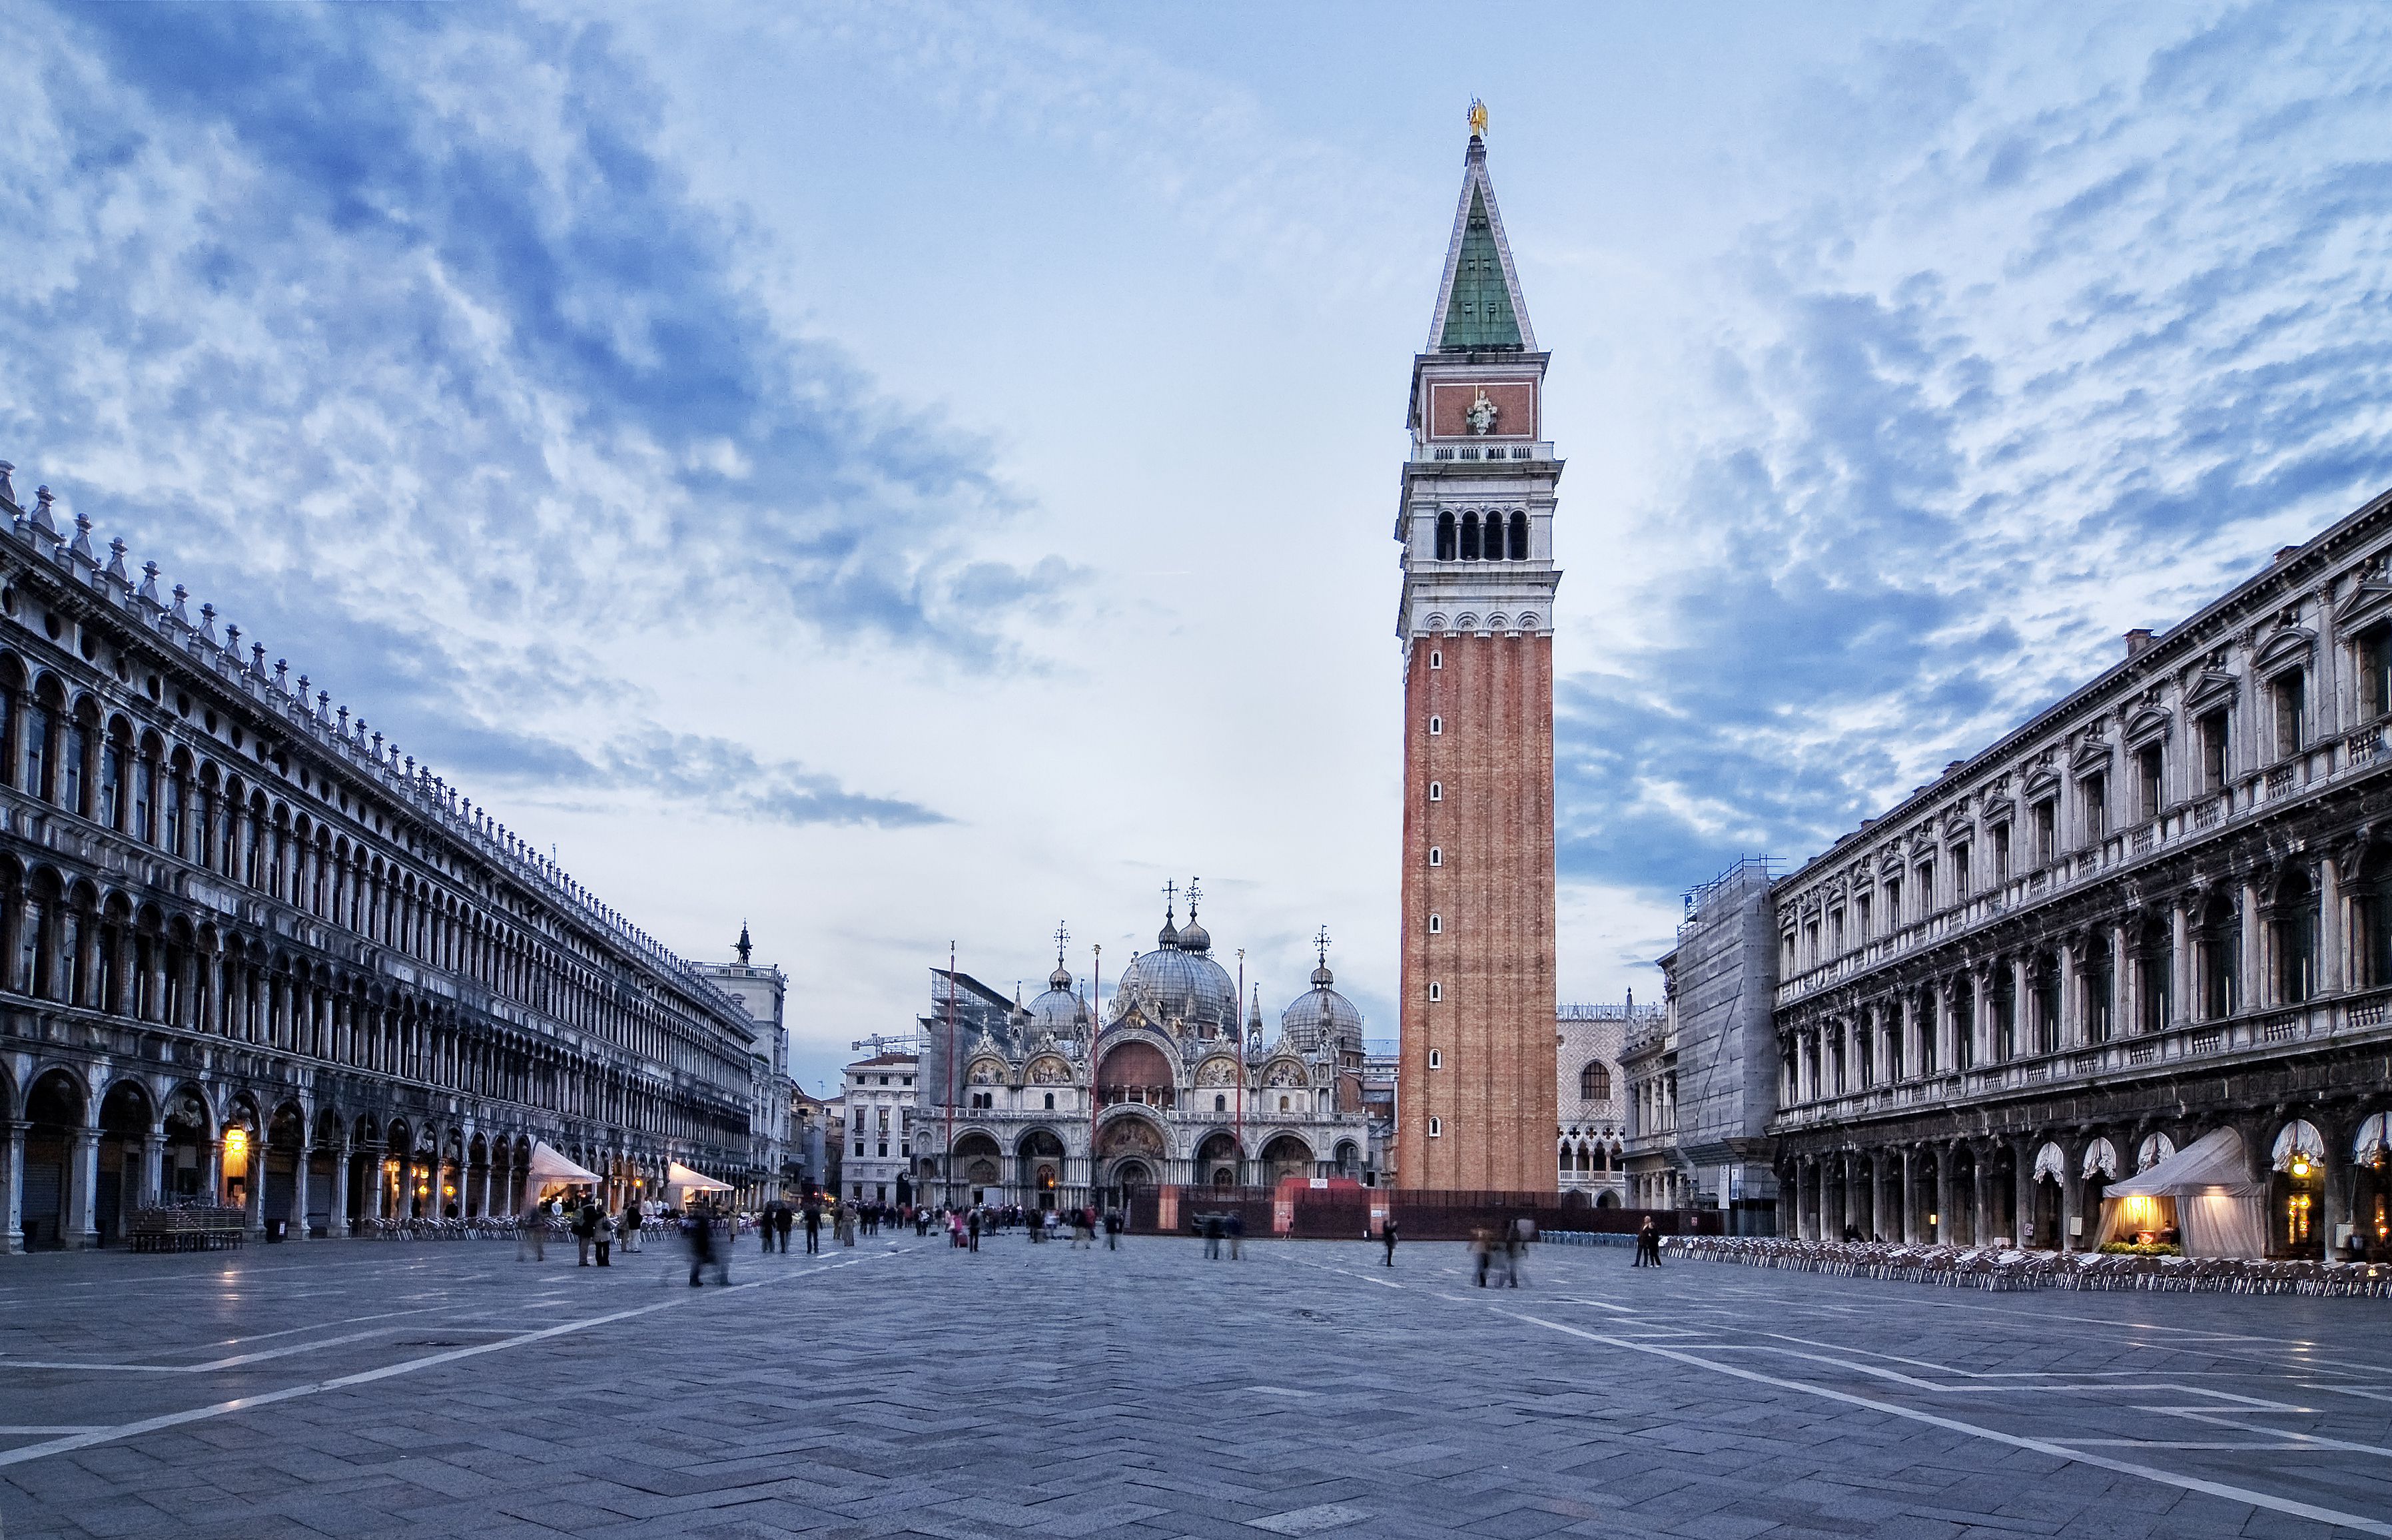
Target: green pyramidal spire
{"points": [[1478, 306]]}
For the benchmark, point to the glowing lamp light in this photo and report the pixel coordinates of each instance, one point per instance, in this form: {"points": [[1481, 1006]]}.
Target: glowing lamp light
{"points": [[236, 1144], [448, 1189], [2301, 1167]]}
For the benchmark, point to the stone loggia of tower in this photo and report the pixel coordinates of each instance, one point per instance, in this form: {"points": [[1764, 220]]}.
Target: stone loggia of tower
{"points": [[1475, 1077]]}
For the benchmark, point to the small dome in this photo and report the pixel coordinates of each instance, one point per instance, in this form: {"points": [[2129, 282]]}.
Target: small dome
{"points": [[1060, 979], [1059, 1008], [1168, 936], [1193, 937], [1320, 1015], [1175, 985], [1322, 977]]}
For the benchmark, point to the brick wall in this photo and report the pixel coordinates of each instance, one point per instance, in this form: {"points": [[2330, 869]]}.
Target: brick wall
{"points": [[1493, 1093]]}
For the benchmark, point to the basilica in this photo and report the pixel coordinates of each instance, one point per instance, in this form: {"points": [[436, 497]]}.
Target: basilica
{"points": [[1183, 1093]]}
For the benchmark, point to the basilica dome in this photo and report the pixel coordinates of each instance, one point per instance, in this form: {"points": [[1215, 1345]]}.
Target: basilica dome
{"points": [[1320, 1015], [1174, 984]]}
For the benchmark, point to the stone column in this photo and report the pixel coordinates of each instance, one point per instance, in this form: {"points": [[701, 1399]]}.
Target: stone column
{"points": [[2180, 965], [153, 1161], [336, 1202], [2122, 983], [2071, 1192], [82, 1204], [2250, 966], [2327, 1216], [1907, 1212], [253, 1183], [301, 1176], [2023, 1185], [12, 1216], [2330, 926], [2069, 1030], [2023, 1027], [1947, 1196]]}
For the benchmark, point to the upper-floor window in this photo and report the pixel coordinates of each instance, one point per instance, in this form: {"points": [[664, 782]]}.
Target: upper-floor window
{"points": [[2216, 766], [2151, 791], [1445, 538], [1960, 870], [2288, 693], [2046, 831], [1926, 889], [1811, 941], [1835, 932], [1861, 905], [1594, 1082], [1893, 903], [2374, 650], [2093, 798], [2001, 839]]}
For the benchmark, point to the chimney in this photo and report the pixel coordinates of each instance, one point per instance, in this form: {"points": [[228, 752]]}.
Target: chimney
{"points": [[2137, 640]]}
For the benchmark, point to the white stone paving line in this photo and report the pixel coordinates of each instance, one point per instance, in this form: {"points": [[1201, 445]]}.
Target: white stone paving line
{"points": [[2058, 1450], [249, 1402], [2078, 1451]]}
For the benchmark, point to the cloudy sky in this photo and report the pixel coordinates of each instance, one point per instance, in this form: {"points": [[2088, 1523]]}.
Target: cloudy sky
{"points": [[900, 475]]}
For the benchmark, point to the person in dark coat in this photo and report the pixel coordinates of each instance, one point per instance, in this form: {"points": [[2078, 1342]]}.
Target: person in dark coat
{"points": [[1387, 1236], [813, 1228], [781, 1219], [699, 1228]]}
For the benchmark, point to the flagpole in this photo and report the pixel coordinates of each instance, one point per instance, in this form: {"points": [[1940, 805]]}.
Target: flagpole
{"points": [[1096, 1029], [949, 1160], [1238, 1029]]}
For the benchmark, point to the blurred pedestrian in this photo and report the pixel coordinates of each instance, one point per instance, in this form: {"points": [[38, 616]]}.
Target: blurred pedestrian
{"points": [[1213, 1228], [781, 1219], [703, 1249], [1387, 1236], [814, 1227], [585, 1228], [1482, 1249], [1236, 1225], [531, 1232], [632, 1221], [1515, 1248]]}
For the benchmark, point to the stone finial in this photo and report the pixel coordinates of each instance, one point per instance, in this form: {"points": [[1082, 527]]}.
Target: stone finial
{"points": [[207, 619], [323, 704], [182, 593], [281, 671], [257, 658], [149, 583], [303, 686], [116, 560], [344, 721], [82, 546], [377, 748], [7, 491], [232, 642], [42, 519]]}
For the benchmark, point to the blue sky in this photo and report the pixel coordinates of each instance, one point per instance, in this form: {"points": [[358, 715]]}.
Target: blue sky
{"points": [[904, 473]]}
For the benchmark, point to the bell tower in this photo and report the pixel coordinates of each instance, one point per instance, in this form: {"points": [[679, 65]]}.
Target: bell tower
{"points": [[1477, 1069]]}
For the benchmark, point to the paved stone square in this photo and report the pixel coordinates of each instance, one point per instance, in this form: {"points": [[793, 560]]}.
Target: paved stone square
{"points": [[901, 1388]]}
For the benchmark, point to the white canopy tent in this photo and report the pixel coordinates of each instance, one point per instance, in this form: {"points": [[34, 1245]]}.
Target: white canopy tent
{"points": [[550, 1166], [2203, 1192], [679, 1175]]}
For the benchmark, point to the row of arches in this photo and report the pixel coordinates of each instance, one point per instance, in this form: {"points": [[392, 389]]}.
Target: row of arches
{"points": [[68, 942], [1039, 1169], [1491, 537], [80, 1165], [2328, 1182]]}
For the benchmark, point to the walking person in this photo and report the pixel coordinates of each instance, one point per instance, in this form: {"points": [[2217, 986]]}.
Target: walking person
{"points": [[1213, 1228], [1482, 1247], [698, 1230], [1112, 1229], [1515, 1248], [1648, 1245], [585, 1228], [1387, 1236], [974, 1225], [781, 1219], [813, 1228], [601, 1231], [531, 1232], [632, 1221], [1236, 1225]]}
